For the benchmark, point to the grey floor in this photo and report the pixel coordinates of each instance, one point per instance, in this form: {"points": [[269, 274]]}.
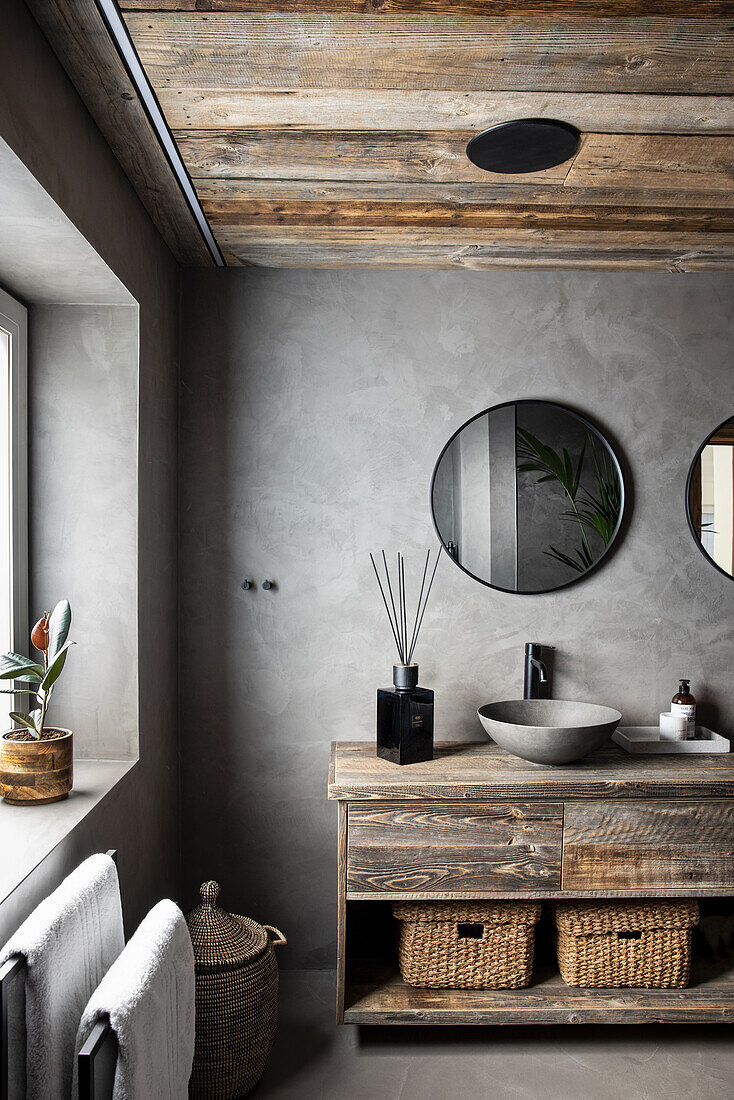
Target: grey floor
{"points": [[315, 1060]]}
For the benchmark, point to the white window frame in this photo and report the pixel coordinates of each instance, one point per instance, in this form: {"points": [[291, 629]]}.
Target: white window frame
{"points": [[14, 319]]}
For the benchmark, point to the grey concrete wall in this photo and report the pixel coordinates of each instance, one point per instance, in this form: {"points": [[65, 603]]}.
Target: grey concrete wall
{"points": [[314, 407], [45, 123], [43, 256], [83, 398]]}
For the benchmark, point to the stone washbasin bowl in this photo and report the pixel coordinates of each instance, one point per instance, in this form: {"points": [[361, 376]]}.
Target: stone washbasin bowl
{"points": [[549, 731]]}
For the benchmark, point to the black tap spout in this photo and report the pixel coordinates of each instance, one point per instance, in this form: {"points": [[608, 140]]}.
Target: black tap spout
{"points": [[535, 673]]}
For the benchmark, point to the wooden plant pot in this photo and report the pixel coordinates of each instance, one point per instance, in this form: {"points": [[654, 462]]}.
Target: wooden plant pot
{"points": [[36, 772]]}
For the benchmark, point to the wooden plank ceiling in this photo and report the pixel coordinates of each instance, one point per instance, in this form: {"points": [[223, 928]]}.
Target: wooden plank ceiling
{"points": [[333, 132]]}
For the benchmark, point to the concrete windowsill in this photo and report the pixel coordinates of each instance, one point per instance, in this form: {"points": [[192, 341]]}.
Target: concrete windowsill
{"points": [[29, 833]]}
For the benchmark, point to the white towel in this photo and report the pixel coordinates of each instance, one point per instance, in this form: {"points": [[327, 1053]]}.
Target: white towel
{"points": [[148, 996], [69, 941]]}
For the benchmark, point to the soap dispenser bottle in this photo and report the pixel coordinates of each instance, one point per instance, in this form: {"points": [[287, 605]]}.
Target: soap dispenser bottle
{"points": [[684, 705]]}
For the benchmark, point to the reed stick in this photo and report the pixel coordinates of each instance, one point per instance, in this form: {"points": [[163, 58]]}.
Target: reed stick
{"points": [[389, 618], [418, 605], [392, 601], [397, 614], [403, 611], [425, 603]]}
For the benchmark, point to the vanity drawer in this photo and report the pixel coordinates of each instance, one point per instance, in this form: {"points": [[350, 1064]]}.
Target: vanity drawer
{"points": [[648, 845], [464, 850]]}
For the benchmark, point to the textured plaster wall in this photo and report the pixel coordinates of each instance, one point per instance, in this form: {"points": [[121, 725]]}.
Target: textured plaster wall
{"points": [[83, 396], [314, 405], [43, 256], [45, 123]]}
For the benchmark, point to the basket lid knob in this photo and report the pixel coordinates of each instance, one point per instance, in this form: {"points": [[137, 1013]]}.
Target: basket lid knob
{"points": [[209, 892], [221, 940]]}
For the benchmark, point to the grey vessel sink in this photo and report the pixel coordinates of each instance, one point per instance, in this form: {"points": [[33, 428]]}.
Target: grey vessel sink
{"points": [[549, 731]]}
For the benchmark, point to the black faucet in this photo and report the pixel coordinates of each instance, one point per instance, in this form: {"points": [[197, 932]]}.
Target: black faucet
{"points": [[536, 682]]}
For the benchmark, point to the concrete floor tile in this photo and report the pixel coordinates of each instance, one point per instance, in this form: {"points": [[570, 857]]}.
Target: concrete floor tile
{"points": [[313, 1059]]}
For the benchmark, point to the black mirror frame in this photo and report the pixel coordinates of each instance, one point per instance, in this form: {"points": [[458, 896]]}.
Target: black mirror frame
{"points": [[689, 479], [589, 424]]}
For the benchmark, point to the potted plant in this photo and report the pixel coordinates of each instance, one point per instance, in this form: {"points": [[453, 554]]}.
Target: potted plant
{"points": [[36, 760]]}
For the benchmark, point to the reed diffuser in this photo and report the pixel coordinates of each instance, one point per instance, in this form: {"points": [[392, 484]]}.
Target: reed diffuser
{"points": [[405, 711]]}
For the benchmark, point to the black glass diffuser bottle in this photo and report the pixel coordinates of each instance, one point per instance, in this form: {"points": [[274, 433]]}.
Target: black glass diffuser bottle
{"points": [[405, 718], [405, 711]]}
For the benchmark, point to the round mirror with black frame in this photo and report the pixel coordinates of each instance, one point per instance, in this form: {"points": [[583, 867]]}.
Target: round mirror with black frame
{"points": [[527, 496], [710, 497]]}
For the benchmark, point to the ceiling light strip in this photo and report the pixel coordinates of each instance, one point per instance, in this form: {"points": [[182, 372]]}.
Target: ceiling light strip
{"points": [[117, 28]]}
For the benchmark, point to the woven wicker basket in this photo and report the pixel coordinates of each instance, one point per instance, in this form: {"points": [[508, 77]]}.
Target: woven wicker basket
{"points": [[236, 998], [625, 943], [466, 945]]}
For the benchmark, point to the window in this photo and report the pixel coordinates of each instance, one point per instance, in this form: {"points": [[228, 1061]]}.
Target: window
{"points": [[13, 484]]}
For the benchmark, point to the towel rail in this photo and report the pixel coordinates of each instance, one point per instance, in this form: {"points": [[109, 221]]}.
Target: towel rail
{"points": [[9, 971], [13, 968], [97, 1061]]}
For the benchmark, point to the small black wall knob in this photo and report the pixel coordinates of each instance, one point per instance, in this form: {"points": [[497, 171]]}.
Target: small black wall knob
{"points": [[267, 585], [246, 585]]}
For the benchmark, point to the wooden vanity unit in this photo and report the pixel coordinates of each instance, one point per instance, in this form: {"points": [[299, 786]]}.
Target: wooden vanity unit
{"points": [[476, 822]]}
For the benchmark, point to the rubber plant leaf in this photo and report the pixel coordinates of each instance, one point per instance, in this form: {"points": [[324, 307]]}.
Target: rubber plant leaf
{"points": [[58, 628], [25, 720], [55, 667], [13, 666], [25, 682]]}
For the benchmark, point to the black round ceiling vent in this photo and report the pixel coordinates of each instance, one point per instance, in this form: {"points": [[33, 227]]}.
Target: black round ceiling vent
{"points": [[525, 145]]}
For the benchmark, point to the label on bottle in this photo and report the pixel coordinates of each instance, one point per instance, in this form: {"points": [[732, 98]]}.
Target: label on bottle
{"points": [[687, 711]]}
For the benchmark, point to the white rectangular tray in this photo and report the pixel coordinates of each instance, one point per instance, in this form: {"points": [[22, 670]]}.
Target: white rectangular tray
{"points": [[645, 740]]}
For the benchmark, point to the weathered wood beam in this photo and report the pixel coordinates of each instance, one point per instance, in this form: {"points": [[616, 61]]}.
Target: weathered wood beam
{"points": [[420, 110], [654, 161], [291, 154], [564, 250], [640, 161], [243, 191], [489, 238], [79, 38], [558, 9], [236, 50], [446, 215]]}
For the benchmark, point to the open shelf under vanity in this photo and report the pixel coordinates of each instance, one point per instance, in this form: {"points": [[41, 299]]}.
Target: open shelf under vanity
{"points": [[375, 993], [477, 823], [388, 1000]]}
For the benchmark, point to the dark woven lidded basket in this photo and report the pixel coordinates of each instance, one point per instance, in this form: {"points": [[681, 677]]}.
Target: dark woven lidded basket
{"points": [[625, 943], [236, 998]]}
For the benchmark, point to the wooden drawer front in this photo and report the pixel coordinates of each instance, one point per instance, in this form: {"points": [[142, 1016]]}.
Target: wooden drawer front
{"points": [[640, 845], [462, 849]]}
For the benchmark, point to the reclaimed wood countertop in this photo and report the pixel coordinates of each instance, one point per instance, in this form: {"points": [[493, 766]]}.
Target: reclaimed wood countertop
{"points": [[479, 770]]}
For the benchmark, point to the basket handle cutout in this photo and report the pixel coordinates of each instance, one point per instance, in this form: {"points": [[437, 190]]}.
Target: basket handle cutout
{"points": [[470, 931], [629, 934]]}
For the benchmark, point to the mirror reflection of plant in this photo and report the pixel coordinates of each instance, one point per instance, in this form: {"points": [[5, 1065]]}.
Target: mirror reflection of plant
{"points": [[49, 637], [596, 511], [600, 509]]}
